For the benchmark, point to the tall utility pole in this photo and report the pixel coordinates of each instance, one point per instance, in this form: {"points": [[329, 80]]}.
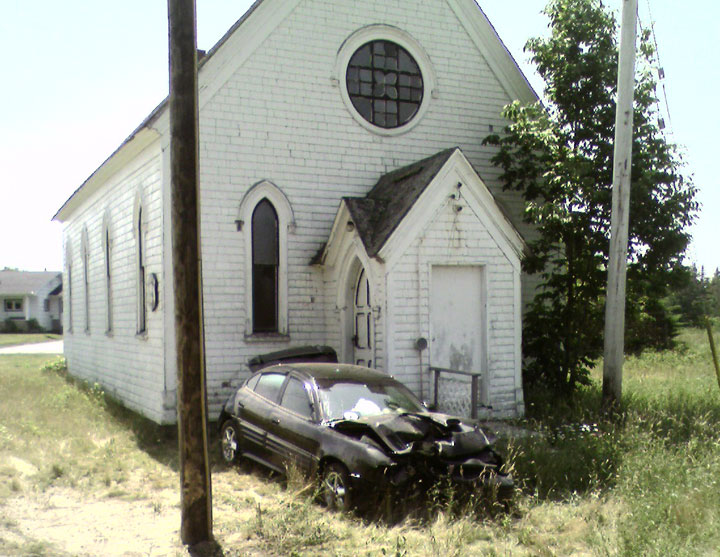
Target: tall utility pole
{"points": [[617, 264], [195, 490]]}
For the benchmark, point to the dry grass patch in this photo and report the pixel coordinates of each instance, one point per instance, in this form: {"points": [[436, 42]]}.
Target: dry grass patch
{"points": [[81, 476]]}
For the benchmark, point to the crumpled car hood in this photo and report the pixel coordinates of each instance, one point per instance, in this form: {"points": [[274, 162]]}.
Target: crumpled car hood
{"points": [[429, 432]]}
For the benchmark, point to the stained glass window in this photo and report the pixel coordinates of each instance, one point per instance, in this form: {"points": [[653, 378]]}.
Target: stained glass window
{"points": [[384, 84]]}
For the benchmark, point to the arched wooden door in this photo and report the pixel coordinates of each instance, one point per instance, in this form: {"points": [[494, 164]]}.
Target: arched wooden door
{"points": [[364, 326]]}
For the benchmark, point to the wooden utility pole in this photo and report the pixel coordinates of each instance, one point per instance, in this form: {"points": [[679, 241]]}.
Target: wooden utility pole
{"points": [[617, 264], [195, 489]]}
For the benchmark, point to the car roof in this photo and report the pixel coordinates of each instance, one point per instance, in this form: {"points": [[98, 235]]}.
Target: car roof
{"points": [[334, 371]]}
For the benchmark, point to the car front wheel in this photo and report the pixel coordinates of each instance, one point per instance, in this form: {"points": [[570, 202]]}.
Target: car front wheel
{"points": [[335, 487], [229, 442]]}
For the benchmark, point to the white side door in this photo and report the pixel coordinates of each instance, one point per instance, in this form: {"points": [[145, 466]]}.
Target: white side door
{"points": [[457, 318]]}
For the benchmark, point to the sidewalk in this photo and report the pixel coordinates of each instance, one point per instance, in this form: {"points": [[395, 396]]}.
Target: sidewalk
{"points": [[52, 347]]}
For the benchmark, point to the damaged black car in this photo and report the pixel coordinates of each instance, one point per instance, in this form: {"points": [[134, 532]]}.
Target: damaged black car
{"points": [[358, 430]]}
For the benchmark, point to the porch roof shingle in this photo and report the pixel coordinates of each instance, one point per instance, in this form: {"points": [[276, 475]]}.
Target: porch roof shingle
{"points": [[378, 214]]}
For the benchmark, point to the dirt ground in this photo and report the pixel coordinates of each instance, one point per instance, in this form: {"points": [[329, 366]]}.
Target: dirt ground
{"points": [[67, 521], [63, 521], [72, 524]]}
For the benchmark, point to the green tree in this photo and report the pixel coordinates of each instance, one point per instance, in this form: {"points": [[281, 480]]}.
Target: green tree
{"points": [[696, 297], [714, 288], [559, 156]]}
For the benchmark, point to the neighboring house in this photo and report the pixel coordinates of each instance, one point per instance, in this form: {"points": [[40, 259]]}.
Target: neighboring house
{"points": [[346, 200], [26, 295]]}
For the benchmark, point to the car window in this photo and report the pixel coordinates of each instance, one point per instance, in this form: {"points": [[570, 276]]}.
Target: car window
{"points": [[296, 398], [269, 385], [353, 400], [252, 382]]}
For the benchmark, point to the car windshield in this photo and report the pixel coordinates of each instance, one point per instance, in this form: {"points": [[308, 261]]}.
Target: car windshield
{"points": [[354, 400]]}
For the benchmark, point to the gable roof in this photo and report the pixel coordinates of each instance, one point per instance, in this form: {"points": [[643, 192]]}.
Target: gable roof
{"points": [[140, 134], [393, 212], [20, 283], [469, 13], [378, 214]]}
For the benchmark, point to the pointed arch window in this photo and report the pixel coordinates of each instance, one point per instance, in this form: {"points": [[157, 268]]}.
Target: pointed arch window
{"points": [[265, 267], [68, 260], [266, 218], [140, 261], [108, 276], [86, 277]]}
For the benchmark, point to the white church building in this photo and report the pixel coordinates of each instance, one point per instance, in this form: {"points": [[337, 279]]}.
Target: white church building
{"points": [[346, 200]]}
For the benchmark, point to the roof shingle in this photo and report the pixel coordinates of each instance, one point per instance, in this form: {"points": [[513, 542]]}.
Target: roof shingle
{"points": [[378, 214], [19, 283]]}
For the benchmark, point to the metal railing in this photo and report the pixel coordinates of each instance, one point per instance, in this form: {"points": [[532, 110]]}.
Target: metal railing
{"points": [[474, 386]]}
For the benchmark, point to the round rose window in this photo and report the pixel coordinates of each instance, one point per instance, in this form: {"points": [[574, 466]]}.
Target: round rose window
{"points": [[384, 84]]}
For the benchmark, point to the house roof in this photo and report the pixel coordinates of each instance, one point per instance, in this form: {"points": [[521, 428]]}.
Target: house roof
{"points": [[378, 214], [470, 14], [203, 57], [403, 199], [20, 283], [56, 291]]}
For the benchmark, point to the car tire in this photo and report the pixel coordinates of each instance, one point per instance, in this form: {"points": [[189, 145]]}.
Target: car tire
{"points": [[335, 487], [229, 442]]}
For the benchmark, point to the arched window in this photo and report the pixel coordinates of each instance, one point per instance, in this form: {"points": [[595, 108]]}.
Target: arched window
{"points": [[108, 278], [140, 261], [68, 260], [266, 218], [86, 277], [265, 267]]}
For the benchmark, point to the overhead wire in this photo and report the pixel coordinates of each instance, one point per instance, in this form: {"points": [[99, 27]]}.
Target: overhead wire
{"points": [[660, 70]]}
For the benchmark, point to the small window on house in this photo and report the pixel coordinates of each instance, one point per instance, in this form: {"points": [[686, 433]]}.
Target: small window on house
{"points": [[265, 264], [140, 286], [86, 280], [296, 398], [269, 385], [13, 305], [70, 295], [108, 280], [46, 305]]}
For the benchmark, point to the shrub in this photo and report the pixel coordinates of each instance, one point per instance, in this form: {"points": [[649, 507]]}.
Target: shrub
{"points": [[34, 327]]}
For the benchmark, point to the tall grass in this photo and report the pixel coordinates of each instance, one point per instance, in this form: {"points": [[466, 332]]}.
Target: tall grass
{"points": [[648, 484], [660, 463], [70, 432]]}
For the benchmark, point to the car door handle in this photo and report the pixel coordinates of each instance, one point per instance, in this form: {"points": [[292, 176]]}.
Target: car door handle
{"points": [[276, 421]]}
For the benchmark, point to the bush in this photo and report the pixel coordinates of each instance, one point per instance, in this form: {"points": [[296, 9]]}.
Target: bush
{"points": [[34, 327], [10, 326]]}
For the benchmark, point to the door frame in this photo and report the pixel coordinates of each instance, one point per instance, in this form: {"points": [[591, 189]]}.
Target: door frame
{"points": [[347, 281], [369, 360]]}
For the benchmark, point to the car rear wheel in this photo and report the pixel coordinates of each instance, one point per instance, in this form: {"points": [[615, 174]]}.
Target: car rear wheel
{"points": [[229, 441], [335, 487]]}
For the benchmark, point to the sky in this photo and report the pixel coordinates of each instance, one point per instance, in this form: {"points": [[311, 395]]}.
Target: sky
{"points": [[80, 75]]}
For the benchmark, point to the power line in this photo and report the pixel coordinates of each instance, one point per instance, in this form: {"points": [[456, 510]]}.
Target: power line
{"points": [[660, 69]]}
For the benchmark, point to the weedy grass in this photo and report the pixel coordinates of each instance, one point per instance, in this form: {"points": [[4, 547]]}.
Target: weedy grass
{"points": [[658, 467], [68, 431], [647, 484]]}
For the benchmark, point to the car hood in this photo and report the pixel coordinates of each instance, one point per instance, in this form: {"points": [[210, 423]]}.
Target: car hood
{"points": [[428, 432]]}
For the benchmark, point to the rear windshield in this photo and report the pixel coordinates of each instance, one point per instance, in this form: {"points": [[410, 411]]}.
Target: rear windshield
{"points": [[353, 400]]}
